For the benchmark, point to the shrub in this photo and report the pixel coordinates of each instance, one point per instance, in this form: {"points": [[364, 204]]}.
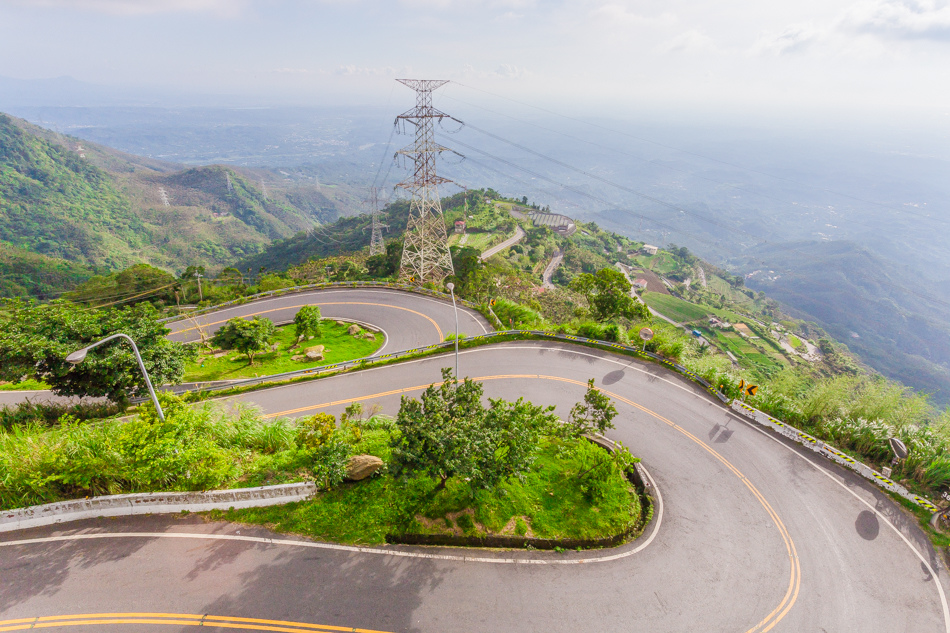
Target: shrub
{"points": [[315, 431]]}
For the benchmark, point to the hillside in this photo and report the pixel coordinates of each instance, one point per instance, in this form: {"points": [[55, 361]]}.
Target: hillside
{"points": [[884, 313], [23, 273], [94, 206]]}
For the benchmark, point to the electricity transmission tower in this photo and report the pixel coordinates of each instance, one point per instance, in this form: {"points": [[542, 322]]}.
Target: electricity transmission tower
{"points": [[230, 186], [425, 251], [264, 189], [376, 245], [164, 196]]}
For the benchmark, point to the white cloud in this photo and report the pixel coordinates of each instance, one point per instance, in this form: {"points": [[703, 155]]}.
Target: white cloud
{"points": [[619, 14], [793, 39], [503, 71], [688, 42], [227, 8], [378, 71], [903, 19]]}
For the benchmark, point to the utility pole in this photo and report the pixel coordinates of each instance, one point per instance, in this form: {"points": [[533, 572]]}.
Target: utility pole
{"points": [[376, 246], [425, 251]]}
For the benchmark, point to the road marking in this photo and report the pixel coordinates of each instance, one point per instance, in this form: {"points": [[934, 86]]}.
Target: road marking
{"points": [[365, 550], [178, 619], [791, 595], [826, 473], [336, 303]]}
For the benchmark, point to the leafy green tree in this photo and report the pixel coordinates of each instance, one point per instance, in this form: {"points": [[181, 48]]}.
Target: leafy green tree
{"points": [[248, 336], [608, 294], [133, 285], [231, 276], [35, 340], [450, 433], [385, 264], [593, 414], [307, 323]]}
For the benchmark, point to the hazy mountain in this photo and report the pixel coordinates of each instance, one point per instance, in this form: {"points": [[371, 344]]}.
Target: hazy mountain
{"points": [[68, 198]]}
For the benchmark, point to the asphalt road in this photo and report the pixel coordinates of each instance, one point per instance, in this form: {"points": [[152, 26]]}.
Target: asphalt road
{"points": [[408, 320], [753, 535]]}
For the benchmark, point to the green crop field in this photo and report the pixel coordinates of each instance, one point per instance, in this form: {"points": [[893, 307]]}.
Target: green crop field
{"points": [[338, 347], [675, 308]]}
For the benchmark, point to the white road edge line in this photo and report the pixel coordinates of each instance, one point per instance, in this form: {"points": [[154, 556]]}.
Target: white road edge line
{"points": [[826, 473], [658, 516]]}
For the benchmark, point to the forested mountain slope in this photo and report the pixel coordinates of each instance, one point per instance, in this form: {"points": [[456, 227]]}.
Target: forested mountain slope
{"points": [[70, 199]]}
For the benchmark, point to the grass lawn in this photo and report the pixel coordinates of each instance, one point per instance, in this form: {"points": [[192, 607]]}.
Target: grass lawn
{"points": [[338, 347], [26, 385], [675, 308], [794, 341], [550, 503], [477, 240]]}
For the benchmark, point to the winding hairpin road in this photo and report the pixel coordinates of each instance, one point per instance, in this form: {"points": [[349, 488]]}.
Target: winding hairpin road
{"points": [[752, 535]]}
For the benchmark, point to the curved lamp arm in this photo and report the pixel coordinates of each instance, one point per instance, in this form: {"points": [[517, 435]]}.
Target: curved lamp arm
{"points": [[80, 355]]}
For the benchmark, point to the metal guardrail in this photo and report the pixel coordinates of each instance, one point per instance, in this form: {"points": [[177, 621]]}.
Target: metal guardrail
{"points": [[760, 417], [832, 453]]}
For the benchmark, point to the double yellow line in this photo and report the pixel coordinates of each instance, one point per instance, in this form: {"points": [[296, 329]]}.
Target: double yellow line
{"points": [[172, 619], [795, 572]]}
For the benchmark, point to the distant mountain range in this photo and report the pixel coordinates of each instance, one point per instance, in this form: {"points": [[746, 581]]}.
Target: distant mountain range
{"points": [[885, 312]]}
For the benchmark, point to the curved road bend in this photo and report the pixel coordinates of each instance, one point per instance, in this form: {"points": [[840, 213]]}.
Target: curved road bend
{"points": [[409, 321], [756, 535]]}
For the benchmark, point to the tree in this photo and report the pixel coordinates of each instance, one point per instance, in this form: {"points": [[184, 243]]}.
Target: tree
{"points": [[593, 414], [450, 433], [307, 322], [35, 340], [385, 264], [608, 294], [248, 336], [133, 285], [231, 276]]}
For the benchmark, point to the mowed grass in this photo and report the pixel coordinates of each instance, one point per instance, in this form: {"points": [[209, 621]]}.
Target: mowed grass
{"points": [[477, 240], [27, 385], [675, 308], [794, 341], [550, 503], [338, 347]]}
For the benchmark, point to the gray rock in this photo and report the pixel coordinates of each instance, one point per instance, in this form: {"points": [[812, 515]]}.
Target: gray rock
{"points": [[354, 330], [362, 466], [369, 335]]}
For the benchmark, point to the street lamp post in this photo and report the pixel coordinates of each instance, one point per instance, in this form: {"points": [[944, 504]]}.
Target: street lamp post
{"points": [[80, 355], [451, 288]]}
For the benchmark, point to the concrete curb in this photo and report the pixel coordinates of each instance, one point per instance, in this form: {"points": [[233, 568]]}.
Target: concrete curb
{"points": [[153, 503]]}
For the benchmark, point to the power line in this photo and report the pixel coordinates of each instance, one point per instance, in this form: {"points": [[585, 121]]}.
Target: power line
{"points": [[703, 156]]}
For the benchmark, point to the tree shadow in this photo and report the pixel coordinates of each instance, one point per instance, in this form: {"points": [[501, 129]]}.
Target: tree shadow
{"points": [[40, 569], [328, 587]]}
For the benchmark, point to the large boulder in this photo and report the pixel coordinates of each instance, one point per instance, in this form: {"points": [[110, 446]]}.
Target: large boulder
{"points": [[362, 466], [314, 353], [354, 330]]}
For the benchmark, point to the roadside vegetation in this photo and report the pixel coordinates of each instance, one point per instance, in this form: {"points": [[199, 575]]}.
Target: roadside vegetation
{"points": [[449, 464], [454, 466], [337, 342]]}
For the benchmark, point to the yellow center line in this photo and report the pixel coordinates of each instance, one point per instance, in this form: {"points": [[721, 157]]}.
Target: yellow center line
{"points": [[794, 585], [179, 619], [336, 303]]}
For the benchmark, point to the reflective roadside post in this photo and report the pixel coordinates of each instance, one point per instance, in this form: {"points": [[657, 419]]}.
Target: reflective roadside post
{"points": [[451, 288], [80, 355]]}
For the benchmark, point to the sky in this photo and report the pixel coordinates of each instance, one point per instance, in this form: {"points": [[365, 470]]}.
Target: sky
{"points": [[602, 57]]}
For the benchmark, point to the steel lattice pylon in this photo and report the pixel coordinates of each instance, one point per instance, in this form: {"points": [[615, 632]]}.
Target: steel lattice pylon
{"points": [[425, 251], [376, 245]]}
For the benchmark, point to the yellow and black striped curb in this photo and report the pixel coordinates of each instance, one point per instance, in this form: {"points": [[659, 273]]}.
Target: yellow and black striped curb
{"points": [[832, 453]]}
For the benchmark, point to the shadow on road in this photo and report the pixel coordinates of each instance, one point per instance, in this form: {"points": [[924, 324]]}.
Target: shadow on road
{"points": [[41, 569], [324, 587]]}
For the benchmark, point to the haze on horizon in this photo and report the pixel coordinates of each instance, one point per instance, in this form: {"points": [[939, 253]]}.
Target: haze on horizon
{"points": [[877, 59]]}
